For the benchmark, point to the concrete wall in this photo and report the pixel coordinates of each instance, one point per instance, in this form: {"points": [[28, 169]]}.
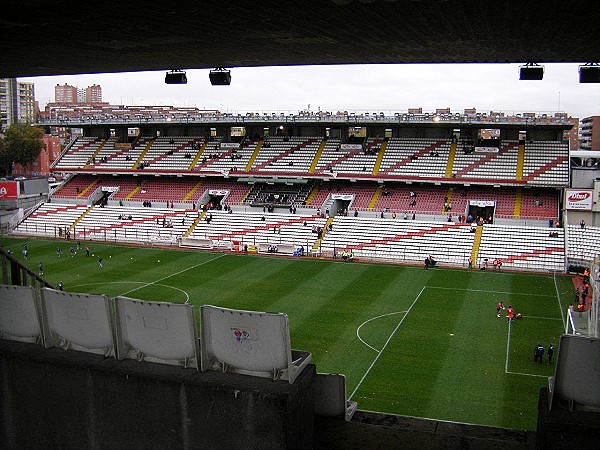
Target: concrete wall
{"points": [[56, 399]]}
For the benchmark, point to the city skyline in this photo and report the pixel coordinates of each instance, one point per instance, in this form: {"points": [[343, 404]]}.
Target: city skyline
{"points": [[359, 88]]}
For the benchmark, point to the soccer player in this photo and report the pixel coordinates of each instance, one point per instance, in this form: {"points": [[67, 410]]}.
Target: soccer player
{"points": [[40, 269], [87, 251], [510, 313], [536, 353], [60, 286], [499, 307], [550, 353], [58, 252], [72, 251], [540, 350], [100, 262]]}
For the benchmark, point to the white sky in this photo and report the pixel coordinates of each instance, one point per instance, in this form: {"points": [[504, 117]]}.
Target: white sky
{"points": [[359, 88]]}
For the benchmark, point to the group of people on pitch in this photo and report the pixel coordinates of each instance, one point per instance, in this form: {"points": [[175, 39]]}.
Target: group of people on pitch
{"points": [[538, 353], [510, 312]]}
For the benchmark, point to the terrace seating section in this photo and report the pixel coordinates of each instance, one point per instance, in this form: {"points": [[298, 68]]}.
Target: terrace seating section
{"points": [[286, 154], [415, 158], [584, 243], [255, 228], [227, 159], [79, 153], [428, 200], [278, 194], [159, 189], [122, 157], [50, 219], [523, 247], [105, 155], [75, 186], [540, 204], [218, 158], [334, 159], [147, 225], [546, 163], [399, 240], [171, 153], [500, 166]]}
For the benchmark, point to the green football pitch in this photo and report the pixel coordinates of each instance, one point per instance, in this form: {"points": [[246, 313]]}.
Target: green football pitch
{"points": [[410, 341]]}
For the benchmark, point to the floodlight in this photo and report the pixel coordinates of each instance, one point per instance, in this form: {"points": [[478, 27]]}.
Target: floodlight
{"points": [[220, 77], [589, 73], [531, 71], [175, 77]]}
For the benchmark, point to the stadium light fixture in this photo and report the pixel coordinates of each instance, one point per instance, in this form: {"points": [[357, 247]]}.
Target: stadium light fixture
{"points": [[220, 77], [589, 73], [176, 77], [531, 71]]}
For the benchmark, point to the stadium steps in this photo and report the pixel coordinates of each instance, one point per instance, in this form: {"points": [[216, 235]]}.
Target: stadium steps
{"points": [[189, 194], [375, 197], [399, 237], [315, 160], [134, 191], [198, 155], [451, 157], [192, 227], [449, 197], [80, 218], [518, 200], [141, 157], [254, 156], [93, 155], [312, 195], [377, 165], [317, 243], [545, 168], [87, 188], [476, 243], [520, 162]]}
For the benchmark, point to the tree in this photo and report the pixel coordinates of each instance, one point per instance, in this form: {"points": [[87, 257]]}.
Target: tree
{"points": [[5, 162], [22, 144]]}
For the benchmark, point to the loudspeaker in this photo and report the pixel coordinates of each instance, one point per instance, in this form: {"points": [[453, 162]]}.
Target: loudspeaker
{"points": [[220, 77], [531, 73], [175, 78], [589, 74]]}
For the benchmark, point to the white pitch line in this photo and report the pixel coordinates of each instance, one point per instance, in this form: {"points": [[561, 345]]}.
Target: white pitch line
{"points": [[172, 275], [507, 346], [385, 345], [542, 318], [187, 296], [527, 374], [369, 320], [562, 313], [493, 292], [507, 356]]}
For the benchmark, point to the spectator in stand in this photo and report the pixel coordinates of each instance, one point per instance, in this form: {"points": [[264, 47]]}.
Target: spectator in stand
{"points": [[582, 224], [550, 222]]}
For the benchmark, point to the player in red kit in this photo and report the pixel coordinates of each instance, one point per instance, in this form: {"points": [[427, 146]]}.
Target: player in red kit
{"points": [[499, 307], [510, 313]]}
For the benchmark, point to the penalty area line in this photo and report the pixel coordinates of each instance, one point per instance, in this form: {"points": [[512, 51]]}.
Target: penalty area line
{"points": [[385, 345]]}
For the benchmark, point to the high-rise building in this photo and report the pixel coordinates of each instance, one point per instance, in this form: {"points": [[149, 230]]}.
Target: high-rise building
{"points": [[17, 102], [93, 94], [589, 133], [65, 93]]}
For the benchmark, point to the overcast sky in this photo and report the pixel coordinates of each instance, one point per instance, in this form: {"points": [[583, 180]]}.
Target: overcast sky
{"points": [[359, 88]]}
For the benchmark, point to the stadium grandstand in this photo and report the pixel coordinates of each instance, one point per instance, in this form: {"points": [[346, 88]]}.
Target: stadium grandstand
{"points": [[388, 187]]}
